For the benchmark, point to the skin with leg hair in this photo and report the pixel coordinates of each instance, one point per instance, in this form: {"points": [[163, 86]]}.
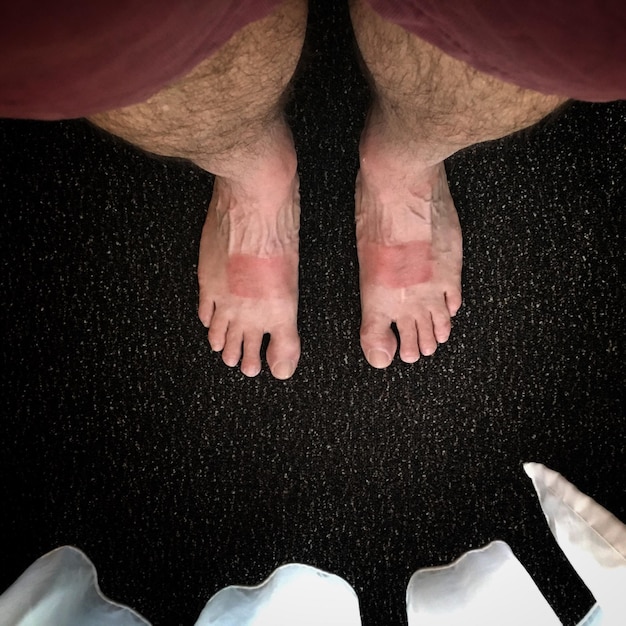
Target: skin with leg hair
{"points": [[227, 117], [426, 107]]}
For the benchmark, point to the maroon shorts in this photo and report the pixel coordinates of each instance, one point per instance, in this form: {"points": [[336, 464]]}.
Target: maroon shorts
{"points": [[574, 48], [70, 58], [63, 58]]}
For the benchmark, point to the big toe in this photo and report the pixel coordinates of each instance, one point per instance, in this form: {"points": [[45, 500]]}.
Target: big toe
{"points": [[378, 341], [283, 352]]}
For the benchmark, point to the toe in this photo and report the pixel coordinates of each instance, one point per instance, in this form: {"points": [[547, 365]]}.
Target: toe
{"points": [[217, 332], [453, 301], [409, 349], [206, 307], [232, 349], [283, 352], [251, 361], [426, 335], [441, 325], [378, 341]]}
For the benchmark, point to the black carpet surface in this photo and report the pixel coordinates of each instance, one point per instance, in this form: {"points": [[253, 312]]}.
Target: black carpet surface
{"points": [[124, 435]]}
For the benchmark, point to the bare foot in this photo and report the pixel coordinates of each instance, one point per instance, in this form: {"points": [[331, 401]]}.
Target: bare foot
{"points": [[248, 267], [410, 254]]}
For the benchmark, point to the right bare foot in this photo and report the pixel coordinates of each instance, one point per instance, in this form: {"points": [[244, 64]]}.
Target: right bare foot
{"points": [[410, 252], [248, 266]]}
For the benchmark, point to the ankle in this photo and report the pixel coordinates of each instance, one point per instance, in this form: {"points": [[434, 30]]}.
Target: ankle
{"points": [[390, 137], [386, 164], [267, 158]]}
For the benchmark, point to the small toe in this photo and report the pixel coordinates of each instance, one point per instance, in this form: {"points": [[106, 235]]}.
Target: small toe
{"points": [[251, 361], [426, 335], [409, 349], [217, 332], [206, 308], [232, 349], [453, 301], [442, 325]]}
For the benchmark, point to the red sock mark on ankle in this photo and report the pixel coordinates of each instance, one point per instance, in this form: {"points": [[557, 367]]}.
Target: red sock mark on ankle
{"points": [[254, 277], [397, 266]]}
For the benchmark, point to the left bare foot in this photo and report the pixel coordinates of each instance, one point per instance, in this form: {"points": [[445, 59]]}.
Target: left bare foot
{"points": [[410, 254], [248, 266]]}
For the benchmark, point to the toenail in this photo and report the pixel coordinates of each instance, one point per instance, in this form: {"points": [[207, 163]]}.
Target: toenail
{"points": [[378, 358], [216, 346], [284, 370], [411, 358], [250, 372]]}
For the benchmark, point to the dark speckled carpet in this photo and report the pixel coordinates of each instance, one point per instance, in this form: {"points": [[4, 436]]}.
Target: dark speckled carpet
{"points": [[121, 433]]}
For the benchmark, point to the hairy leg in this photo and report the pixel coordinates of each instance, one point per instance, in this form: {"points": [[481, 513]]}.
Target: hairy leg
{"points": [[227, 117], [426, 106]]}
